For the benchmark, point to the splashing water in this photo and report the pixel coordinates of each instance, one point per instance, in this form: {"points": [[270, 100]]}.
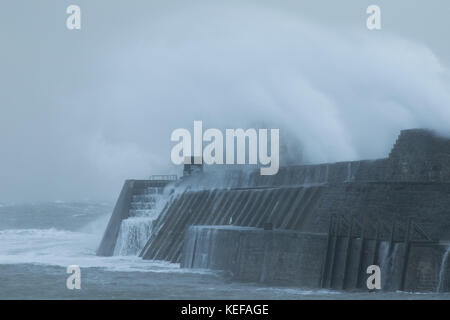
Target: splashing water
{"points": [[442, 271], [136, 230], [133, 234]]}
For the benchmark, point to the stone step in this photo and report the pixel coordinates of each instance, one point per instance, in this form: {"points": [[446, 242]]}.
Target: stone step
{"points": [[142, 212], [145, 198], [142, 205]]}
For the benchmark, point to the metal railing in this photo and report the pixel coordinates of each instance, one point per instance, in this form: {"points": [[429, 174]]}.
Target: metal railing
{"points": [[169, 177]]}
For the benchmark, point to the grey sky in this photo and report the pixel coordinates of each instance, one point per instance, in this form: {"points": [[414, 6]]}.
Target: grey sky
{"points": [[80, 111]]}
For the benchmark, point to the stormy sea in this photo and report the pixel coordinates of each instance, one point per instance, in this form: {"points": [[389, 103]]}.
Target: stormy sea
{"points": [[39, 241]]}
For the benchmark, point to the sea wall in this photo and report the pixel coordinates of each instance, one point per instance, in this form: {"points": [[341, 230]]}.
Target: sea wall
{"points": [[302, 208], [315, 260], [284, 207], [384, 195], [256, 255]]}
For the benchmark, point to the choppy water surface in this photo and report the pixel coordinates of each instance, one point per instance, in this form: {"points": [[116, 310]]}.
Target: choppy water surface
{"points": [[39, 241]]}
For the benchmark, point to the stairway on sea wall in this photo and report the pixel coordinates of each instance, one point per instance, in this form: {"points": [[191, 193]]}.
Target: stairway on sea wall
{"points": [[129, 227], [136, 229]]}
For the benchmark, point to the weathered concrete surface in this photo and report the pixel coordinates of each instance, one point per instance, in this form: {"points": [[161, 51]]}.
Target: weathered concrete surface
{"points": [[297, 258], [252, 254], [346, 266], [301, 208], [420, 155], [286, 208], [288, 257], [426, 269]]}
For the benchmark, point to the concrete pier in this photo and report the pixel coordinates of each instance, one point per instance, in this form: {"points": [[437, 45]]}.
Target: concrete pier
{"points": [[412, 184]]}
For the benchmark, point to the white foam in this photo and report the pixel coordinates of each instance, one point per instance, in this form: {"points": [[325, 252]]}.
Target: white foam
{"points": [[136, 230], [299, 291], [443, 270], [133, 235], [64, 248]]}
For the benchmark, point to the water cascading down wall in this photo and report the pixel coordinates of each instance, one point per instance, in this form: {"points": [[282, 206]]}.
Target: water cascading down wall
{"points": [[413, 183], [132, 219]]}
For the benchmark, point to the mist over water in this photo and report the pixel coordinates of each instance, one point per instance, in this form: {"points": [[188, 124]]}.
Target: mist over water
{"points": [[335, 95]]}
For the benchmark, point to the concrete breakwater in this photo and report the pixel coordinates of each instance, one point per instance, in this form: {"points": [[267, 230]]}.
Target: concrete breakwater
{"points": [[288, 207], [303, 259], [398, 208], [307, 209], [252, 254]]}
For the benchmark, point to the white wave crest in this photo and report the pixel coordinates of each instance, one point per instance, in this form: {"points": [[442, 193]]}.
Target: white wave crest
{"points": [[64, 248]]}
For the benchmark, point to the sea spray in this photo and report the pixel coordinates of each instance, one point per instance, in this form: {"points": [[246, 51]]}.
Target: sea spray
{"points": [[136, 230], [442, 272], [388, 256]]}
